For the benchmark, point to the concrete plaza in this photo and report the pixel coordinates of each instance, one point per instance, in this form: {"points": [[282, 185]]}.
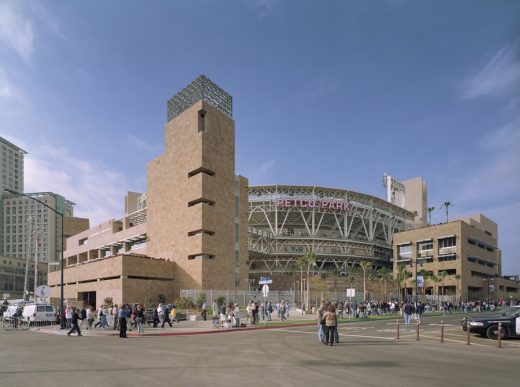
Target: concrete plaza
{"points": [[368, 355]]}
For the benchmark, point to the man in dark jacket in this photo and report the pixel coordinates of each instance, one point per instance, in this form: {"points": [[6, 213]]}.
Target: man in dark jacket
{"points": [[123, 311], [75, 323], [167, 311]]}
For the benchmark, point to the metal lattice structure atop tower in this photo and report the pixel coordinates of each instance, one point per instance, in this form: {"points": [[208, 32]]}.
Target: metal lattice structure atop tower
{"points": [[201, 89]]}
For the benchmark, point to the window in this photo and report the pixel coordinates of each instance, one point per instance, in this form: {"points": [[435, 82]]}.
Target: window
{"points": [[202, 121], [404, 251], [447, 242]]}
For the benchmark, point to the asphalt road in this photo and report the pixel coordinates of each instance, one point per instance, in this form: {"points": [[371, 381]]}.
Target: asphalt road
{"points": [[368, 355]]}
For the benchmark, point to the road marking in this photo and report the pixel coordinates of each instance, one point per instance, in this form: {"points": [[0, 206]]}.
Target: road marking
{"points": [[341, 334]]}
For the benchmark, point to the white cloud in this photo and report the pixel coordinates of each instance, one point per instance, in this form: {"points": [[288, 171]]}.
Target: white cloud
{"points": [[16, 28], [5, 87], [494, 186], [97, 190], [321, 86], [263, 7], [260, 175], [499, 77], [142, 145]]}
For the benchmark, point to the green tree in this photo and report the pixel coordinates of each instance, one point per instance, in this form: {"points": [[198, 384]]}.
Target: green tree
{"points": [[108, 301]]}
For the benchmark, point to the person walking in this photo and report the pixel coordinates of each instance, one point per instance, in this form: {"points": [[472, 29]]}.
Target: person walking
{"points": [[156, 316], [166, 316], [407, 311], [331, 321], [75, 324], [236, 315], [115, 314], [321, 322], [122, 321], [204, 310], [88, 315], [139, 317], [68, 316]]}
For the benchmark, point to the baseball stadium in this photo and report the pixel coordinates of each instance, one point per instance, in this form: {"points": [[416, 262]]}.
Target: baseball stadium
{"points": [[342, 228]]}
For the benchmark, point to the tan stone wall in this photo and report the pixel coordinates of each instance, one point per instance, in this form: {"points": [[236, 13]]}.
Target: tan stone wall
{"points": [[109, 278], [73, 225], [170, 190]]}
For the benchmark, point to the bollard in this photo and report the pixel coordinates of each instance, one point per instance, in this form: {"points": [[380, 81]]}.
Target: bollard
{"points": [[417, 329], [468, 333], [499, 335], [442, 331], [398, 328]]}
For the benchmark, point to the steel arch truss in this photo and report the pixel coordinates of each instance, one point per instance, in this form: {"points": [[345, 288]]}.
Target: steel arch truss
{"points": [[280, 235]]}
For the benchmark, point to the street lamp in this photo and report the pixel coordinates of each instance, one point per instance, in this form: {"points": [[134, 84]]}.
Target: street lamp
{"points": [[62, 323]]}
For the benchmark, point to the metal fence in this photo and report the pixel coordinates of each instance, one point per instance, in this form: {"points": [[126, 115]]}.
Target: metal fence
{"points": [[241, 297]]}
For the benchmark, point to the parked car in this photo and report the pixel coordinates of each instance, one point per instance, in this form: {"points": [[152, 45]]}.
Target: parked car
{"points": [[487, 325], [40, 313]]}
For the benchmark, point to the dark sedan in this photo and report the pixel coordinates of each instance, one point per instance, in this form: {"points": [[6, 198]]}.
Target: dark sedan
{"points": [[488, 325]]}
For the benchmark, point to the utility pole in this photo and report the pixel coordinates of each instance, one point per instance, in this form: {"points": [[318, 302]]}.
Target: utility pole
{"points": [[36, 242], [25, 284]]}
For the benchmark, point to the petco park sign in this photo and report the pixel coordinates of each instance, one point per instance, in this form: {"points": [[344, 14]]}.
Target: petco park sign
{"points": [[336, 205]]}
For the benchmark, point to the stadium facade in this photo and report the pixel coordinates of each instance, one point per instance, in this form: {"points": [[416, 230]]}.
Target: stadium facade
{"points": [[342, 228]]}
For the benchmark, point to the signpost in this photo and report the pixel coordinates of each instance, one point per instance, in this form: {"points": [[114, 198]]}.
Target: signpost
{"points": [[265, 280]]}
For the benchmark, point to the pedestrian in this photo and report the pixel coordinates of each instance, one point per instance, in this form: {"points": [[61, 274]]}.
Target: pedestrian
{"points": [[115, 314], [282, 310], [155, 316], [214, 309], [321, 322], [166, 318], [122, 321], [88, 315], [236, 315], [204, 310], [74, 321], [68, 317], [139, 317], [408, 311], [331, 321]]}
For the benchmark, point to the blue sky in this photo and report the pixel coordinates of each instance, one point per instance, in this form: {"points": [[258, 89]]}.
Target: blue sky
{"points": [[329, 93]]}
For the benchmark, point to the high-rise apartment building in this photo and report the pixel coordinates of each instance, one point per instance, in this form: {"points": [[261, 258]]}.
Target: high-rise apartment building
{"points": [[12, 166], [28, 229]]}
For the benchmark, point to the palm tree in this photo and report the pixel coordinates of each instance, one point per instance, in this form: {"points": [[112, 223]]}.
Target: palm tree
{"points": [[309, 259], [300, 264], [365, 266], [400, 277], [442, 276], [457, 279], [446, 205], [385, 276], [430, 210]]}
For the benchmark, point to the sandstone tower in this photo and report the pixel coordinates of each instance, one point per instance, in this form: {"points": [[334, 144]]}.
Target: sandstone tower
{"points": [[196, 205]]}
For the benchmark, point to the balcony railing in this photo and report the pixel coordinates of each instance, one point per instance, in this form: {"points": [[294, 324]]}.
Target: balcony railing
{"points": [[448, 250]]}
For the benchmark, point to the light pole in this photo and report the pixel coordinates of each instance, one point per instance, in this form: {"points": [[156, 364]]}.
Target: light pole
{"points": [[62, 323]]}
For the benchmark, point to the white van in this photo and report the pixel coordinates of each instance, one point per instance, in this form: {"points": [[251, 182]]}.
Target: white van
{"points": [[39, 312], [11, 311]]}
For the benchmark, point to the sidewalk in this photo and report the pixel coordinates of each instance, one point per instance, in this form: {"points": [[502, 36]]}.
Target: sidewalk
{"points": [[185, 328]]}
